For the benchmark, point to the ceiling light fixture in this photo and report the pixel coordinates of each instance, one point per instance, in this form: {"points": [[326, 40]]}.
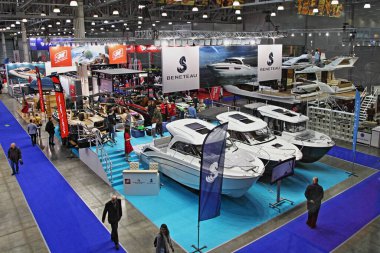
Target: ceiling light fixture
{"points": [[115, 12], [292, 35], [73, 3], [43, 28], [17, 22], [189, 22], [13, 25], [24, 20], [43, 14], [334, 2], [56, 10], [68, 20], [113, 26], [95, 15], [236, 3], [140, 17], [164, 14], [139, 26], [57, 23], [204, 16], [280, 7], [273, 14], [239, 18], [153, 24], [238, 12], [310, 34], [141, 6], [195, 9], [139, 22], [50, 26], [315, 10], [367, 6], [105, 21], [170, 23], [125, 24], [327, 34], [92, 23], [127, 28]]}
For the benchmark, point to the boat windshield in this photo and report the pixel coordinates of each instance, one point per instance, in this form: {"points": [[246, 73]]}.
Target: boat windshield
{"points": [[295, 127], [235, 61], [229, 144], [253, 137]]}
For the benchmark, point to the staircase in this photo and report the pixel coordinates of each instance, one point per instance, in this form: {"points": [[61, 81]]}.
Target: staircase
{"points": [[366, 103], [119, 163]]}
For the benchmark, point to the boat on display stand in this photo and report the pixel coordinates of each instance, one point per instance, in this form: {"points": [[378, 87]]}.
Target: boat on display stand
{"points": [[292, 127], [179, 157], [252, 134], [234, 66]]}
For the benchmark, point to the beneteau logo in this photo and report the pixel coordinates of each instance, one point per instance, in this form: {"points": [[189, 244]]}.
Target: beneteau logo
{"points": [[213, 173], [61, 56], [182, 62], [117, 54], [270, 62]]}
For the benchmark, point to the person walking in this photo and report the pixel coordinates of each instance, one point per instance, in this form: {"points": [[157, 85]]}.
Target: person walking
{"points": [[14, 156], [127, 142], [51, 130], [314, 196], [157, 118], [32, 131], [163, 242], [111, 125], [114, 210]]}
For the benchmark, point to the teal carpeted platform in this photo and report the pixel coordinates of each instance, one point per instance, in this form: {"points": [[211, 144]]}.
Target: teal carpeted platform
{"points": [[177, 206]]}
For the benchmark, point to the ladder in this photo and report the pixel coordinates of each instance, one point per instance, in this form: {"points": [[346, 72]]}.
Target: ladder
{"points": [[366, 103], [102, 153]]}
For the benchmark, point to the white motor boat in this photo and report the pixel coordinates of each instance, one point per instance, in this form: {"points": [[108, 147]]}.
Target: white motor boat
{"points": [[234, 66], [252, 134], [179, 157], [292, 128], [24, 72], [299, 61]]}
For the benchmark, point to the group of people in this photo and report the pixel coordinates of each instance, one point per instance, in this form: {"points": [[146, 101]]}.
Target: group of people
{"points": [[34, 129]]}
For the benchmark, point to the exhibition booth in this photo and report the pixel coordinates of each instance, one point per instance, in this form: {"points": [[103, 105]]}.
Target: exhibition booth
{"points": [[83, 84]]}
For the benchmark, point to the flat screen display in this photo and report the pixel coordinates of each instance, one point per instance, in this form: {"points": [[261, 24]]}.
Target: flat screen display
{"points": [[283, 169]]}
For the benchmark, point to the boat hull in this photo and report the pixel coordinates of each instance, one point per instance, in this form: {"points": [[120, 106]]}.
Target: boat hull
{"points": [[188, 174], [228, 71], [312, 154]]}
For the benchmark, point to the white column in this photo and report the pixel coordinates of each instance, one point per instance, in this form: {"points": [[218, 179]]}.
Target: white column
{"points": [[4, 46], [79, 29], [25, 47]]}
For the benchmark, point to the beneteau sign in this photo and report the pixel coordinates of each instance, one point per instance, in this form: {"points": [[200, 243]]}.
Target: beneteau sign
{"points": [[180, 68], [269, 62]]}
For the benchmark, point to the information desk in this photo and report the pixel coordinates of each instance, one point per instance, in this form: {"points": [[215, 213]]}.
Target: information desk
{"points": [[141, 182]]}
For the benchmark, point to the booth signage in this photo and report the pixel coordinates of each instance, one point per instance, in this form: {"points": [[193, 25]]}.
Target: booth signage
{"points": [[130, 49], [269, 62], [147, 49], [61, 107], [117, 54], [60, 56], [39, 84], [180, 68]]}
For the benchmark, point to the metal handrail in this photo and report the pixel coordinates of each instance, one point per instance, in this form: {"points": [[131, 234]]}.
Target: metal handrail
{"points": [[235, 108], [103, 154]]}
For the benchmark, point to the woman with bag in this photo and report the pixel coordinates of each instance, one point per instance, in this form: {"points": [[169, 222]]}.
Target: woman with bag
{"points": [[127, 142], [162, 242]]}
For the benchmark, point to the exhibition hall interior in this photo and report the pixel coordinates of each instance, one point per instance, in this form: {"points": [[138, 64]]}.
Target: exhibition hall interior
{"points": [[189, 126]]}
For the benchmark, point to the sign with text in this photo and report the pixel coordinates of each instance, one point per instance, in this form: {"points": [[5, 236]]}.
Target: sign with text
{"points": [[117, 54], [60, 56], [269, 62], [180, 68]]}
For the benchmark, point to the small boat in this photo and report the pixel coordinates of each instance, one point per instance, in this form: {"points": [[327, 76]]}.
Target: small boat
{"points": [[179, 157], [291, 126], [252, 134], [234, 66]]}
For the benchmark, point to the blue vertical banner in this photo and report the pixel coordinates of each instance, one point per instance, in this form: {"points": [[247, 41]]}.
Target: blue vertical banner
{"points": [[356, 120], [211, 174]]}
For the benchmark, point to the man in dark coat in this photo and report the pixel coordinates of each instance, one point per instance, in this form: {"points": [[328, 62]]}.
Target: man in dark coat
{"points": [[113, 208], [314, 196], [51, 130], [14, 156]]}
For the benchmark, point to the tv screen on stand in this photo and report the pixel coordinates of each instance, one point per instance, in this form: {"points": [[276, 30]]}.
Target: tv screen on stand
{"points": [[283, 169]]}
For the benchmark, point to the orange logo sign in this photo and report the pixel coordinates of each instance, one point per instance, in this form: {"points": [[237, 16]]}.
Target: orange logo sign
{"points": [[118, 54], [60, 56]]}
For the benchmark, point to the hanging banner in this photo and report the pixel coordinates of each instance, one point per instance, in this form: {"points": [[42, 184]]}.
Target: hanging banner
{"points": [[356, 120], [211, 177], [39, 85], [60, 56], [215, 93], [269, 62], [147, 49], [117, 54], [61, 107], [180, 68], [130, 49]]}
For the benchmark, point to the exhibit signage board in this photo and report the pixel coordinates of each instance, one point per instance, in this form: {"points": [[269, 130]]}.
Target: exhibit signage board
{"points": [[23, 72], [141, 182], [269, 62], [117, 54], [180, 68], [60, 56]]}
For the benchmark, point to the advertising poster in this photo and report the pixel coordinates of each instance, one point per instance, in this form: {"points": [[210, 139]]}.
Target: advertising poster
{"points": [[61, 107], [269, 62], [227, 65], [89, 55], [147, 49], [39, 84], [23, 72], [60, 56], [180, 68], [117, 54], [325, 8]]}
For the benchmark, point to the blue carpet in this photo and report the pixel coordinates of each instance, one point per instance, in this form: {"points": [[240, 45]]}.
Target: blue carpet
{"points": [[177, 206], [339, 219], [361, 158], [65, 221]]}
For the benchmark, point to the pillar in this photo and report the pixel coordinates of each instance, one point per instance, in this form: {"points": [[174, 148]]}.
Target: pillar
{"points": [[4, 46], [79, 29], [25, 47]]}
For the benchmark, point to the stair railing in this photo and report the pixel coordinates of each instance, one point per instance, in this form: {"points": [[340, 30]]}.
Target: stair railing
{"points": [[370, 101], [102, 153]]}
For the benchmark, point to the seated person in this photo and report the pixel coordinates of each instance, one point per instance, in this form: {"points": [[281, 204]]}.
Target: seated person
{"points": [[192, 113]]}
